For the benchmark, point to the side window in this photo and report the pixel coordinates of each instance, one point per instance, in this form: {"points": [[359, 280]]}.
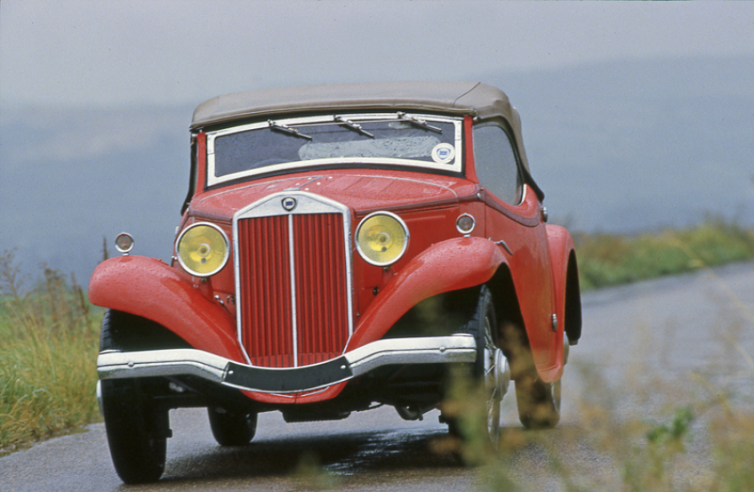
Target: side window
{"points": [[496, 165]]}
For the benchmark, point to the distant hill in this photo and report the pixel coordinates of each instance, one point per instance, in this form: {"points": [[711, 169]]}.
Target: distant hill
{"points": [[617, 146]]}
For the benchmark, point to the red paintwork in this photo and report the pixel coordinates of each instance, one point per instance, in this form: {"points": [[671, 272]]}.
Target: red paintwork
{"points": [[449, 265], [530, 269], [201, 160], [321, 288], [265, 297], [560, 244], [361, 189], [470, 170], [437, 260], [153, 290]]}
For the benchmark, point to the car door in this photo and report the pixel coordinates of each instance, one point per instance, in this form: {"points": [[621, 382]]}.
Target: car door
{"points": [[513, 216]]}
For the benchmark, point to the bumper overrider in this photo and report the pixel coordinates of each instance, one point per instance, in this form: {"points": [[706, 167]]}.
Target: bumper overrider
{"points": [[458, 348]]}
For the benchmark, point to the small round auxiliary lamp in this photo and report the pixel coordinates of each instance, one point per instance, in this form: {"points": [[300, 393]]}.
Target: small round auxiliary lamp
{"points": [[465, 223], [124, 243]]}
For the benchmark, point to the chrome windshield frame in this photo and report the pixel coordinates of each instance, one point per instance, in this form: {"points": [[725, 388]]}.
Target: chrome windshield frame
{"points": [[456, 166]]}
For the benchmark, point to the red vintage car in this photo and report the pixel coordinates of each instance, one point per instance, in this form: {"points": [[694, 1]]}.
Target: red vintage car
{"points": [[341, 246]]}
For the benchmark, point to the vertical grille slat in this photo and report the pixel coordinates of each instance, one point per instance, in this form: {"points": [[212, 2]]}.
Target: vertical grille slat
{"points": [[266, 291], [265, 300]]}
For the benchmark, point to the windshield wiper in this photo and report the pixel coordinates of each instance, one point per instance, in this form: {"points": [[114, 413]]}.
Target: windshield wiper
{"points": [[353, 126], [418, 122], [287, 129]]}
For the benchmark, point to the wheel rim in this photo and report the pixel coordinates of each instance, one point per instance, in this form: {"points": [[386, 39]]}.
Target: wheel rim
{"points": [[555, 389], [496, 379]]}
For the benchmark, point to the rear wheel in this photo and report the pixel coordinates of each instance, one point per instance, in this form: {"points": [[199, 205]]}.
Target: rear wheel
{"points": [[538, 402], [232, 429]]}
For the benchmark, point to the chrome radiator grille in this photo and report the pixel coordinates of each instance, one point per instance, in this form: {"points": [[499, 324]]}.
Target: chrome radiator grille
{"points": [[292, 283]]}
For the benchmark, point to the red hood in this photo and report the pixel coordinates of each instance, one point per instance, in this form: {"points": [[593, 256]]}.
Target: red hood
{"points": [[362, 190]]}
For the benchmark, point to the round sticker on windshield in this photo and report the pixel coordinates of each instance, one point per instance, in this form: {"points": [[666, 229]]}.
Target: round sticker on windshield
{"points": [[443, 153]]}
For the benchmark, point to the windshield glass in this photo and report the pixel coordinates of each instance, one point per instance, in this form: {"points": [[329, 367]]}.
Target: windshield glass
{"points": [[399, 139]]}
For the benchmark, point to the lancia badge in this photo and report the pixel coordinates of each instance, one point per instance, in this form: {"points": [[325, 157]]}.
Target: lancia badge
{"points": [[289, 203]]}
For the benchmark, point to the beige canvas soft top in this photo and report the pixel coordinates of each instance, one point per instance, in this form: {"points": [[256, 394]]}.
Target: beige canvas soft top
{"points": [[460, 98], [457, 98]]}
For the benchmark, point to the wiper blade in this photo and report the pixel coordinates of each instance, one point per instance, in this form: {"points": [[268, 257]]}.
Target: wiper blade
{"points": [[418, 122], [353, 126], [287, 129]]}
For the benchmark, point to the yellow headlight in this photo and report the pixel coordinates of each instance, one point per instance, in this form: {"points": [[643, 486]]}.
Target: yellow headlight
{"points": [[202, 249], [382, 238]]}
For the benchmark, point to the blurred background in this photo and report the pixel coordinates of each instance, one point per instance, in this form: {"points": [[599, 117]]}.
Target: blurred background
{"points": [[636, 116]]}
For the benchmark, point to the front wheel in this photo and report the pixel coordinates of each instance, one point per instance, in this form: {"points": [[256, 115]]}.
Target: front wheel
{"points": [[136, 432], [490, 367], [232, 429]]}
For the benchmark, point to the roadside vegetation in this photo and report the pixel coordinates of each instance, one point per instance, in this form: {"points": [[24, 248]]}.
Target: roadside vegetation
{"points": [[613, 259], [49, 336]]}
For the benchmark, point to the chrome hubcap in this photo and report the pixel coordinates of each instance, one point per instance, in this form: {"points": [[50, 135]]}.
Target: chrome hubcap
{"points": [[496, 379]]}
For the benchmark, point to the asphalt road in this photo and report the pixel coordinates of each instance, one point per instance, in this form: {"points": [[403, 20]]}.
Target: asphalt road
{"points": [[647, 349]]}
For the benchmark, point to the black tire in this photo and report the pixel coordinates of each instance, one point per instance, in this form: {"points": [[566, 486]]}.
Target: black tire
{"points": [[137, 434], [127, 332], [105, 335], [538, 402], [483, 326], [232, 429]]}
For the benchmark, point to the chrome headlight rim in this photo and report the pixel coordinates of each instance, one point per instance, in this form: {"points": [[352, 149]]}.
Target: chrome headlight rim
{"points": [[226, 252], [461, 229], [398, 256], [124, 243]]}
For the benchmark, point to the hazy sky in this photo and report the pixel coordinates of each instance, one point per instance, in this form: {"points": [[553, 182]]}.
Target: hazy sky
{"points": [[115, 53]]}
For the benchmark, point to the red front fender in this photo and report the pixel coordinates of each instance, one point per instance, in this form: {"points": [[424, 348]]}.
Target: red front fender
{"points": [[445, 266], [151, 289]]}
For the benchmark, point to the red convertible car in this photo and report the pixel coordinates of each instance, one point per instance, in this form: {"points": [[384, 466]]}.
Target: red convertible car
{"points": [[340, 247]]}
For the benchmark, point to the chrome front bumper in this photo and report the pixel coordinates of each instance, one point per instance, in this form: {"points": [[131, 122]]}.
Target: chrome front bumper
{"points": [[185, 362]]}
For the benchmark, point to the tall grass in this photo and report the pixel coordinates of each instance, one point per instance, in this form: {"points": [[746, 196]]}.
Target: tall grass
{"points": [[48, 344], [612, 259]]}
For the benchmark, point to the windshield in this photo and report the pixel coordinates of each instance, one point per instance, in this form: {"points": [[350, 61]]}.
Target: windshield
{"points": [[399, 139]]}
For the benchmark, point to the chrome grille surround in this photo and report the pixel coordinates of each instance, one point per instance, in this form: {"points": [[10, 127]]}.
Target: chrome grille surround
{"points": [[286, 206]]}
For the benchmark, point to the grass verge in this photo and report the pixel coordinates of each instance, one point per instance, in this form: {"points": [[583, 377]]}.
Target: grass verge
{"points": [[48, 343], [612, 259]]}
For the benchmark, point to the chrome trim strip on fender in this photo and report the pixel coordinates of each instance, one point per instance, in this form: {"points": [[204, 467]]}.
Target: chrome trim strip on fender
{"points": [[459, 348]]}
